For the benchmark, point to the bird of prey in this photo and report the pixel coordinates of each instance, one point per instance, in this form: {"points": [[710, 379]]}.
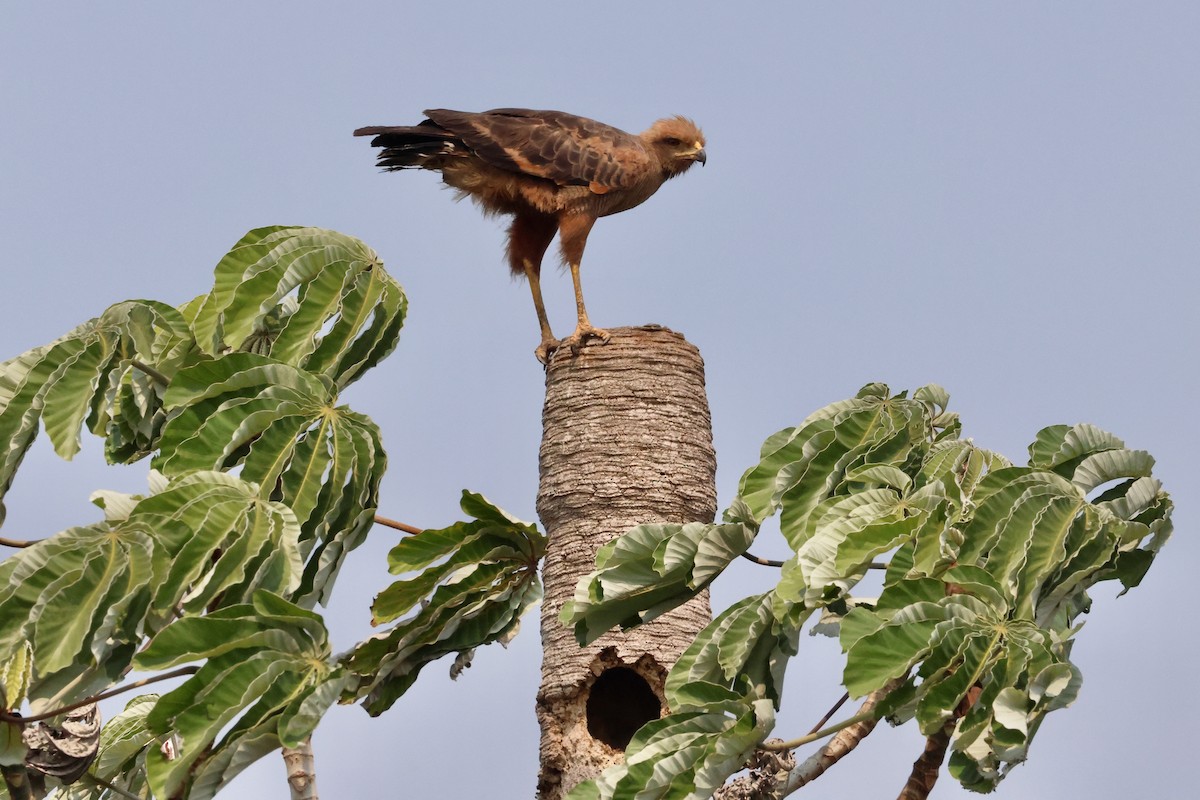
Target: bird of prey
{"points": [[551, 172]]}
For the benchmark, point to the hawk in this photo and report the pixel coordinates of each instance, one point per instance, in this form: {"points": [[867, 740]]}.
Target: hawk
{"points": [[552, 172]]}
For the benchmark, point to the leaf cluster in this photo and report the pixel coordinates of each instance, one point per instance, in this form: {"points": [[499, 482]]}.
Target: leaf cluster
{"points": [[474, 581], [988, 568], [262, 482]]}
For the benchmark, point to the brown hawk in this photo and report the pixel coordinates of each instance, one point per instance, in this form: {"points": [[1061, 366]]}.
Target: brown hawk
{"points": [[551, 172]]}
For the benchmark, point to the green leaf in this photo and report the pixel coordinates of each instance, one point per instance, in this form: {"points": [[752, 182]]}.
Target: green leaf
{"points": [[685, 755], [345, 316], [650, 570], [890, 648], [758, 488], [475, 596], [16, 672], [959, 462], [260, 658], [92, 374], [86, 597], [876, 432], [956, 645], [12, 746], [744, 649], [301, 717], [874, 476], [1110, 465], [282, 425], [124, 737], [978, 582], [1029, 680], [492, 538], [1061, 447], [120, 760], [842, 535]]}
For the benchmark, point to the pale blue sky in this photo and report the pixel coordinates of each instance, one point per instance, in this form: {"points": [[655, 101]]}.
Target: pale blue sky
{"points": [[1003, 198]]}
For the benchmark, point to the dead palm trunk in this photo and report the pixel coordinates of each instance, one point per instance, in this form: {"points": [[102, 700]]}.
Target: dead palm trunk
{"points": [[627, 440]]}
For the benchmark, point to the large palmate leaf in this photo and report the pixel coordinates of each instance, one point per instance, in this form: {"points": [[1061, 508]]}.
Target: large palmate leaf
{"points": [[801, 466], [108, 373], [745, 649], [267, 661], [689, 754], [1008, 673], [844, 533], [283, 426], [650, 570], [313, 298], [86, 597], [476, 579]]}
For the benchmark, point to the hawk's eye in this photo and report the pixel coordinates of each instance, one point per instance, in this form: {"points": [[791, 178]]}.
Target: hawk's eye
{"points": [[671, 141]]}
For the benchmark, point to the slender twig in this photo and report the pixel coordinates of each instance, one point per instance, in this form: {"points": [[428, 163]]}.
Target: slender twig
{"points": [[18, 543], [831, 712], [821, 734], [391, 523], [110, 786], [154, 374], [837, 748], [865, 712], [6, 716], [766, 562]]}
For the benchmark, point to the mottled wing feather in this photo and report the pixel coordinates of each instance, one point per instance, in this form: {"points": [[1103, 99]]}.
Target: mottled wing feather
{"points": [[564, 148]]}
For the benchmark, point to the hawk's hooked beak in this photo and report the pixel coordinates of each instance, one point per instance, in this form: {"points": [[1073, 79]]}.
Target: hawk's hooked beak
{"points": [[701, 156]]}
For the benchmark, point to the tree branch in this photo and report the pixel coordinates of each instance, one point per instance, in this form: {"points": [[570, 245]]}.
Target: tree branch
{"points": [[6, 716], [766, 562], [774, 774], [391, 523], [18, 543], [926, 768], [839, 746], [301, 770]]}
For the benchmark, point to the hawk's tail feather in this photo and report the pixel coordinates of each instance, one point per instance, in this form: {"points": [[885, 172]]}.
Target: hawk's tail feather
{"points": [[411, 146]]}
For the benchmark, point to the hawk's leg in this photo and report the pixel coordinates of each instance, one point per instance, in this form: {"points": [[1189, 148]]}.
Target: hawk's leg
{"points": [[584, 329], [528, 237], [573, 231], [549, 344]]}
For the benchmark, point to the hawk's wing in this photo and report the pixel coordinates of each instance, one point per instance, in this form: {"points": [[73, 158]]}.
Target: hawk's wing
{"points": [[560, 147]]}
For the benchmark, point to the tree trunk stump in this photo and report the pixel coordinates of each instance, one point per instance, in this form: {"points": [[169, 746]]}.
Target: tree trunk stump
{"points": [[627, 440]]}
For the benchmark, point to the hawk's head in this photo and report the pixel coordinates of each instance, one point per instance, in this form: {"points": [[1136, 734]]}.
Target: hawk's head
{"points": [[678, 142]]}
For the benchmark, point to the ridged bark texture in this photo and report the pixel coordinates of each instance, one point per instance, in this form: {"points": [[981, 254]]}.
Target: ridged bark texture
{"points": [[627, 440]]}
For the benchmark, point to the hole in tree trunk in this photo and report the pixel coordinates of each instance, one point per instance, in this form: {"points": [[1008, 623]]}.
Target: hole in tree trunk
{"points": [[620, 702]]}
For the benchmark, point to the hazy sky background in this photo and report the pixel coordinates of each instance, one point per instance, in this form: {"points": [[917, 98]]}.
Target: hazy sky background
{"points": [[1003, 198]]}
